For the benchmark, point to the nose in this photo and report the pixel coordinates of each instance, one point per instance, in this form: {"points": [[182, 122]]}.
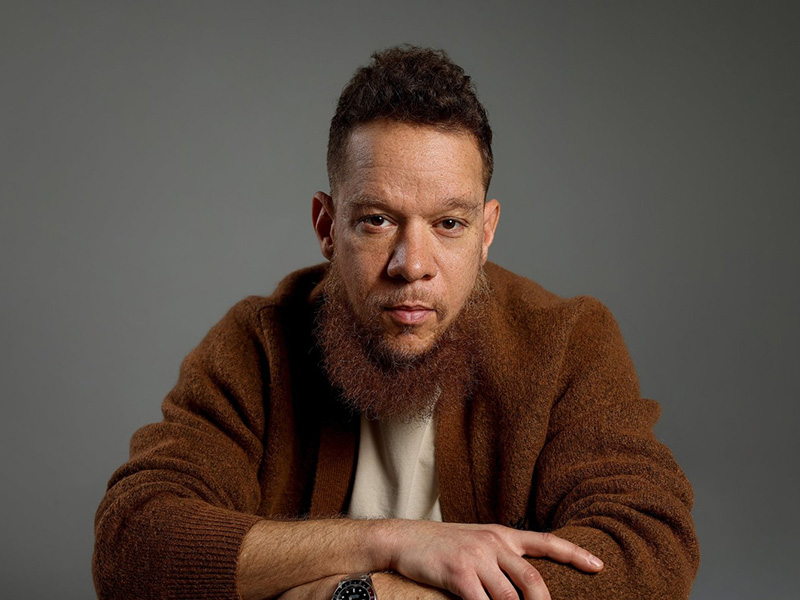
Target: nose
{"points": [[412, 256]]}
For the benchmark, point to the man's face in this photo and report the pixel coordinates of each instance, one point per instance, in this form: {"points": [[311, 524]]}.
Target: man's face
{"points": [[409, 230]]}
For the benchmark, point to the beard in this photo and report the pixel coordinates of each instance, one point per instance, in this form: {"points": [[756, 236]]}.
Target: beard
{"points": [[384, 381]]}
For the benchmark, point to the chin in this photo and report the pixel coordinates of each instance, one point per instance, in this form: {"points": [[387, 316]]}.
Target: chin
{"points": [[407, 345]]}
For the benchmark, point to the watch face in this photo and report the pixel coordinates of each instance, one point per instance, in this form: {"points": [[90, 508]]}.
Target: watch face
{"points": [[356, 590]]}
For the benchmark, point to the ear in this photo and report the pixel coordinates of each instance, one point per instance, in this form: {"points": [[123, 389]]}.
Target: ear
{"points": [[322, 217], [491, 215]]}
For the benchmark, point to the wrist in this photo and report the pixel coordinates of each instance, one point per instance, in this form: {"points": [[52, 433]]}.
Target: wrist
{"points": [[326, 586], [382, 541], [355, 587], [383, 581], [393, 586]]}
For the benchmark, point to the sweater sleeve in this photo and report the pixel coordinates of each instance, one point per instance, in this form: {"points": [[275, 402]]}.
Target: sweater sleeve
{"points": [[604, 482], [174, 516]]}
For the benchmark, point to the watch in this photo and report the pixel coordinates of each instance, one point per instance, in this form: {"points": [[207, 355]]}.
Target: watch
{"points": [[355, 587]]}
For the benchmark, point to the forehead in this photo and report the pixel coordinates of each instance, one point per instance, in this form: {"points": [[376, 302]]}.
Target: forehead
{"points": [[391, 160]]}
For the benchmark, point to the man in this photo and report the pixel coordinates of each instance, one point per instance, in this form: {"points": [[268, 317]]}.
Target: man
{"points": [[409, 412]]}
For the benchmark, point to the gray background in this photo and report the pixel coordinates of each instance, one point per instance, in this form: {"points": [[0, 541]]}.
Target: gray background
{"points": [[158, 161]]}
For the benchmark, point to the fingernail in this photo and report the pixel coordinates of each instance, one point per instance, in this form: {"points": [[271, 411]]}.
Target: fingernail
{"points": [[596, 561]]}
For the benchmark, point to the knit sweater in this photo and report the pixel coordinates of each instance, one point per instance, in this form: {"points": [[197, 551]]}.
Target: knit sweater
{"points": [[554, 436]]}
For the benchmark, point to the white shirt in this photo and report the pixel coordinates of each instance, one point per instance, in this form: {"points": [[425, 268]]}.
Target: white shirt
{"points": [[396, 471]]}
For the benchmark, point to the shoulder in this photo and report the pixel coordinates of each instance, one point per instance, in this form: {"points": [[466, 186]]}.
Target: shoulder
{"points": [[529, 327], [540, 343], [521, 303], [297, 292], [259, 318]]}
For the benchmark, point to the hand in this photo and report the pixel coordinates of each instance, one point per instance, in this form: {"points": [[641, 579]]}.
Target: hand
{"points": [[472, 561]]}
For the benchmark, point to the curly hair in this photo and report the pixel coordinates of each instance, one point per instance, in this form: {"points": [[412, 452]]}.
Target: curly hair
{"points": [[410, 85]]}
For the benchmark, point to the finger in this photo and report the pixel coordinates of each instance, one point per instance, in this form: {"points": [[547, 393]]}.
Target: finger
{"points": [[539, 545], [524, 576], [498, 586], [469, 588]]}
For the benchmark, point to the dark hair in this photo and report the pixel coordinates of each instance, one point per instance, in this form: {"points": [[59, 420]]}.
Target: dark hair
{"points": [[411, 85]]}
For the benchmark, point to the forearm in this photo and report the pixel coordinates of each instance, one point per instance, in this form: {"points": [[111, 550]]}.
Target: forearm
{"points": [[277, 556], [165, 546], [468, 560]]}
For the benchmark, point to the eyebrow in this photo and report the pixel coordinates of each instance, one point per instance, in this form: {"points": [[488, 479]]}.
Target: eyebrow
{"points": [[460, 204]]}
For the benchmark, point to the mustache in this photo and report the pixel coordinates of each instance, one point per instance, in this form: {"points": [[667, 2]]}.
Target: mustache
{"points": [[406, 297]]}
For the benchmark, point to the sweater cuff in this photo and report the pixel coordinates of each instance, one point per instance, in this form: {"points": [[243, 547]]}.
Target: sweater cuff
{"points": [[204, 551]]}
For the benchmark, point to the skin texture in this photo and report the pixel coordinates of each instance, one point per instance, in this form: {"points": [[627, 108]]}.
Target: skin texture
{"points": [[302, 559], [409, 223]]}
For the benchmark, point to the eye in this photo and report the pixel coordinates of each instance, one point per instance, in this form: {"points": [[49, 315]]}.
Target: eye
{"points": [[374, 223], [450, 224], [375, 220]]}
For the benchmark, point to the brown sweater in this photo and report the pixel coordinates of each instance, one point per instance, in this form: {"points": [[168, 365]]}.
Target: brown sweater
{"points": [[555, 436]]}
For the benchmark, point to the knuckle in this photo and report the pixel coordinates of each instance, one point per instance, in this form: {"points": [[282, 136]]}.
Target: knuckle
{"points": [[507, 593], [505, 533], [456, 572], [547, 538], [484, 535], [471, 594], [471, 553], [574, 552], [465, 591], [491, 538], [531, 577]]}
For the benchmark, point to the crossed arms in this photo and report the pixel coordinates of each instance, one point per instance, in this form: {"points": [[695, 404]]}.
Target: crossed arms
{"points": [[185, 517], [294, 559]]}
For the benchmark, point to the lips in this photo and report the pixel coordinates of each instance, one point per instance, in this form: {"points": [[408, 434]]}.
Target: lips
{"points": [[409, 314]]}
